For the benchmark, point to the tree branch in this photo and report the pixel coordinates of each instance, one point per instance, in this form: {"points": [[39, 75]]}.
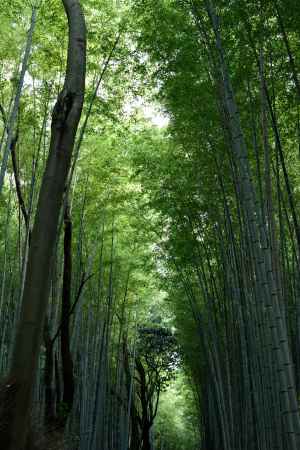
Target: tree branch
{"points": [[83, 282]]}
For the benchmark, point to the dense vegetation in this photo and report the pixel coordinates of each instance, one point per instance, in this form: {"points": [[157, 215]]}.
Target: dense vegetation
{"points": [[149, 225]]}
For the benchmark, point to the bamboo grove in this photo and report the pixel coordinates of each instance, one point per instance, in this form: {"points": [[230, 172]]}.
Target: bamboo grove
{"points": [[149, 225]]}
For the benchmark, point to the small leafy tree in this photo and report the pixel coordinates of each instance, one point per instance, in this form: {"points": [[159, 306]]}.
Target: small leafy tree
{"points": [[156, 362]]}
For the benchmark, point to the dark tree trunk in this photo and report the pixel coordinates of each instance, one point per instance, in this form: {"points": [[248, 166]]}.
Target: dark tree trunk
{"points": [[57, 380], [146, 436], [65, 119], [135, 437], [67, 362], [48, 378], [146, 420]]}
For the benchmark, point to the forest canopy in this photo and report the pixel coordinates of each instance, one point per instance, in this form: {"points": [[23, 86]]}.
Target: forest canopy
{"points": [[149, 225]]}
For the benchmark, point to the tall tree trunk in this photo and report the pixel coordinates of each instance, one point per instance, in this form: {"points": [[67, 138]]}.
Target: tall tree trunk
{"points": [[276, 331], [146, 437], [65, 119], [13, 116], [48, 376], [67, 362], [146, 420]]}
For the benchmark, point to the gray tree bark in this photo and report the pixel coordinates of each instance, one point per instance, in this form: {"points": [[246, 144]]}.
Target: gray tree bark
{"points": [[13, 116], [65, 119]]}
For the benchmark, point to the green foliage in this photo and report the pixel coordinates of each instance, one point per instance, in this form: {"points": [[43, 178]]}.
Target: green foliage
{"points": [[157, 213], [158, 350], [176, 427]]}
